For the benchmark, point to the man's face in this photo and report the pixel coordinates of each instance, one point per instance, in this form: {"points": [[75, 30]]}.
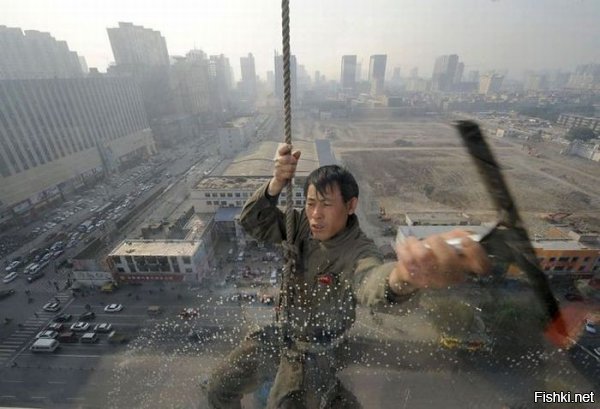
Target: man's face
{"points": [[327, 214]]}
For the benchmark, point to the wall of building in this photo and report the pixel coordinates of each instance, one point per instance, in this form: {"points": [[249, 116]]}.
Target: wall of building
{"points": [[565, 262]]}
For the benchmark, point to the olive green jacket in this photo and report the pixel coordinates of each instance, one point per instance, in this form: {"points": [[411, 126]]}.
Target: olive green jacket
{"points": [[331, 276]]}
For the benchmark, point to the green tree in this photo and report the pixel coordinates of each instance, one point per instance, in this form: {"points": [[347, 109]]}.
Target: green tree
{"points": [[583, 134]]}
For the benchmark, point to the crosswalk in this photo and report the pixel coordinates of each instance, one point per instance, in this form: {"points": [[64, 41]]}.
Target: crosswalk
{"points": [[18, 339]]}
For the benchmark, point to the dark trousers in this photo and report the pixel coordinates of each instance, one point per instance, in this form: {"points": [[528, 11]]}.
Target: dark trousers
{"points": [[257, 360]]}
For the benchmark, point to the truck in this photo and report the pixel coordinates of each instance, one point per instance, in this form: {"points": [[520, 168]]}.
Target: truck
{"points": [[117, 338]]}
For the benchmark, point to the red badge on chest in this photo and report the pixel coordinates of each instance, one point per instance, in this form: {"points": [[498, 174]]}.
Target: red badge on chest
{"points": [[325, 279]]}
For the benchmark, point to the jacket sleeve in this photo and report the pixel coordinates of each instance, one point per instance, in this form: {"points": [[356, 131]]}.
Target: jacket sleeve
{"points": [[371, 279], [262, 219]]}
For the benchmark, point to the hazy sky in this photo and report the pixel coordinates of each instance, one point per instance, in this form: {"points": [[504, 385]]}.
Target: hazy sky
{"points": [[503, 34]]}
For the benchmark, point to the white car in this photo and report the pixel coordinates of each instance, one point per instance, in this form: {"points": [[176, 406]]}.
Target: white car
{"points": [[113, 308], [9, 277], [51, 307], [12, 266], [80, 326], [104, 327], [46, 334], [590, 327]]}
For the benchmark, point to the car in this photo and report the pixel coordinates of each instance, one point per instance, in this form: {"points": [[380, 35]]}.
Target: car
{"points": [[590, 327], [56, 326], [87, 316], [89, 338], [103, 327], [51, 306], [12, 266], [10, 277], [46, 334], [35, 276], [63, 318], [6, 293], [573, 297], [80, 326], [113, 308]]}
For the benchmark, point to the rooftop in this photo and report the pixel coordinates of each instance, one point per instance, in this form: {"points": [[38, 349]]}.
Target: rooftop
{"points": [[231, 182], [156, 248], [257, 160], [562, 245]]}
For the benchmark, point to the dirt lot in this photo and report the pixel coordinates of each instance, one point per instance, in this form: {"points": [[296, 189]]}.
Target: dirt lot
{"points": [[420, 165]]}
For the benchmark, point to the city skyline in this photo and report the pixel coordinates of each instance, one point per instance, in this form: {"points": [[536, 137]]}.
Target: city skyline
{"points": [[509, 37]]}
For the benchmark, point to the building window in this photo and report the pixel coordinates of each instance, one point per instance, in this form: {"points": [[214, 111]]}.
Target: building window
{"points": [[238, 203], [552, 259], [121, 270], [298, 194], [559, 268], [574, 259], [208, 203], [563, 259], [229, 194], [214, 195], [188, 270], [282, 202], [186, 260], [586, 259], [245, 194], [221, 194], [298, 202], [237, 194], [129, 259], [176, 267], [207, 195], [223, 202]]}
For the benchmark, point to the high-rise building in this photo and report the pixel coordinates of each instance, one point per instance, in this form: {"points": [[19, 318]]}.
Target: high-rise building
{"points": [[271, 81], [414, 73], [358, 72], [135, 45], [348, 76], [473, 76], [490, 83], [191, 84], [248, 82], [377, 74], [220, 74], [535, 82], [279, 77], [142, 54], [460, 68], [58, 134], [444, 72], [396, 75], [35, 55]]}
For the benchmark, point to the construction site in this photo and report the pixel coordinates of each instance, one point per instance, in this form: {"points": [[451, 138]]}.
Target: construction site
{"points": [[419, 164]]}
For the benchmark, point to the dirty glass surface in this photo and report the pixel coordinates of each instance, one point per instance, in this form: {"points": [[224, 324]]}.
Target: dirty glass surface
{"points": [[132, 133]]}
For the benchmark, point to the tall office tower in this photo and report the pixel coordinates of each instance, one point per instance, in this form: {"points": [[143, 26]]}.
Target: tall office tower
{"points": [[358, 72], [191, 83], [58, 134], [414, 73], [248, 82], [142, 53], [35, 55], [377, 74], [348, 76], [135, 45], [444, 72], [490, 83], [220, 75], [317, 77], [460, 68], [279, 76]]}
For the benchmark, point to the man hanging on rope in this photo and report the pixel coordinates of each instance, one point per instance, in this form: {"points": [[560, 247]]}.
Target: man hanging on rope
{"points": [[337, 267]]}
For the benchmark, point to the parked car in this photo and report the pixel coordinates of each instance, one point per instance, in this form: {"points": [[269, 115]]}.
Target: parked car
{"points": [[80, 326], [590, 327], [12, 266], [10, 277], [103, 327], [56, 326], [113, 308], [35, 276], [87, 316], [67, 337]]}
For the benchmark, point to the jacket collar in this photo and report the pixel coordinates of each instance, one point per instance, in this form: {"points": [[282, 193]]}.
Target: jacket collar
{"points": [[347, 233]]}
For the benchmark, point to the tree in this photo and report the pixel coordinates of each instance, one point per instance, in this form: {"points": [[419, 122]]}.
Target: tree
{"points": [[583, 134]]}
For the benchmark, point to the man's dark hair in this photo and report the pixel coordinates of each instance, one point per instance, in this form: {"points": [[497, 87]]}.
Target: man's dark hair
{"points": [[328, 176]]}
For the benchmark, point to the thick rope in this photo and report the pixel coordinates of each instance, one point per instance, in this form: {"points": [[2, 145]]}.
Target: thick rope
{"points": [[288, 245]]}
